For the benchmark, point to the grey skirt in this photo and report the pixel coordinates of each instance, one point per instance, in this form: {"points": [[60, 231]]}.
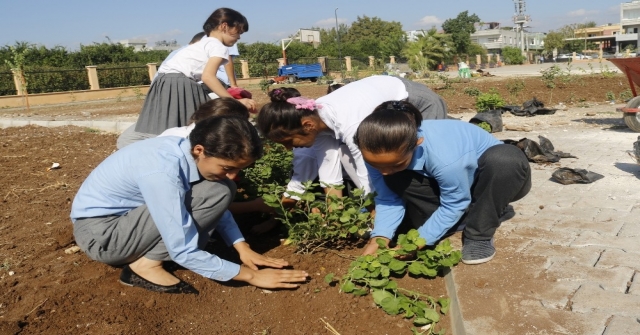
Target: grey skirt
{"points": [[430, 104], [172, 99]]}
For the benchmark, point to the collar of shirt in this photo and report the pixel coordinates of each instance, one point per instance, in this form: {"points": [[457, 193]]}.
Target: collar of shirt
{"points": [[194, 174]]}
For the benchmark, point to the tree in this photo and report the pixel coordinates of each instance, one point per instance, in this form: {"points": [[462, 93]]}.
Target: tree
{"points": [[553, 40], [512, 55], [428, 51], [375, 37], [460, 30]]}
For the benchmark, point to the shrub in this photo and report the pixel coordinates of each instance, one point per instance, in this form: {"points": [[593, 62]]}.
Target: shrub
{"points": [[472, 91], [489, 101], [512, 55]]}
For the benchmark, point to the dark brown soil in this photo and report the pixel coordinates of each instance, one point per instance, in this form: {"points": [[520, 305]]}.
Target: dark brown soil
{"points": [[43, 290]]}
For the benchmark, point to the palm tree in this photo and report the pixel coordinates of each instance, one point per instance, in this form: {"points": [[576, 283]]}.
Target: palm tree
{"points": [[428, 51]]}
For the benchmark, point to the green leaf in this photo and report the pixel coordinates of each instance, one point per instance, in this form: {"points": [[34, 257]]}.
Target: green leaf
{"points": [[402, 239], [348, 286], [384, 271], [429, 272], [431, 314], [421, 321], [408, 313], [309, 197], [345, 218], [446, 262], [379, 283], [329, 278], [415, 268], [397, 265], [390, 305], [392, 285], [385, 258], [358, 274], [409, 247], [360, 292], [379, 295], [420, 242], [444, 305], [413, 235], [353, 229], [381, 243]]}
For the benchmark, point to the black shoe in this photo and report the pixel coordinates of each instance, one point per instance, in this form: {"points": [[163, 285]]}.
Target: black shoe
{"points": [[477, 252], [130, 278]]}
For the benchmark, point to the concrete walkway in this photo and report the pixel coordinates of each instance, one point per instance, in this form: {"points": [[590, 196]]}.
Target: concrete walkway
{"points": [[578, 67], [567, 262]]}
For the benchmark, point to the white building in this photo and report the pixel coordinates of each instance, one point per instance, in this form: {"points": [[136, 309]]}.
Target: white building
{"points": [[413, 35], [630, 24], [137, 44], [496, 38]]}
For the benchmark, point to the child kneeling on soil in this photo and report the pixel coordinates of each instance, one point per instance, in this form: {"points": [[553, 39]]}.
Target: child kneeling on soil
{"points": [[160, 199], [445, 175]]}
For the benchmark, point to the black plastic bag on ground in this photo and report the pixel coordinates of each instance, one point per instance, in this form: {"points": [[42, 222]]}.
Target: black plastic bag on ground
{"points": [[568, 176], [531, 107], [539, 153], [492, 117]]}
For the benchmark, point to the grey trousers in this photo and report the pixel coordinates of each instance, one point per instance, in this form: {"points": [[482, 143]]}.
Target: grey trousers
{"points": [[503, 176], [130, 135], [119, 240], [430, 104]]}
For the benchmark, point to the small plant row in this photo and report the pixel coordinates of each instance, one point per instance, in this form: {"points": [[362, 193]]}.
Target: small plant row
{"points": [[373, 274], [317, 220]]}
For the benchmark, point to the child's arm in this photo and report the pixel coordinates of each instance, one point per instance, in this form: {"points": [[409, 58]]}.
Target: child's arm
{"points": [[231, 74], [210, 79]]}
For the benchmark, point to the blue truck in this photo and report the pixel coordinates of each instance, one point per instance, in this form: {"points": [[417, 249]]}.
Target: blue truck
{"points": [[296, 72]]}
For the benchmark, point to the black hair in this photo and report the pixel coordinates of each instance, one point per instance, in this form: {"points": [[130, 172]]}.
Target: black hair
{"points": [[229, 137], [229, 16], [220, 106], [392, 127], [279, 118], [197, 37], [333, 87]]}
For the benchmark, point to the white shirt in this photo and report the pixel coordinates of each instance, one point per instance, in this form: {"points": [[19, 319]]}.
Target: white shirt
{"points": [[179, 131], [191, 60], [306, 168], [222, 73], [342, 111]]}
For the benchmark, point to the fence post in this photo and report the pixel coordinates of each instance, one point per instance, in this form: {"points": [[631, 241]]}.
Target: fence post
{"points": [[347, 61], [392, 59], [497, 58], [488, 58], [18, 76], [372, 63], [281, 62], [323, 64], [153, 69], [478, 59], [245, 68], [92, 73]]}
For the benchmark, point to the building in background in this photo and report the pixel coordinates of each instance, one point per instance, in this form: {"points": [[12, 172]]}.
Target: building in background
{"points": [[138, 44], [629, 25], [494, 38]]}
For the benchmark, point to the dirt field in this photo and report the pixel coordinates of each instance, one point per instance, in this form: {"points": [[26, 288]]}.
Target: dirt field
{"points": [[43, 290]]}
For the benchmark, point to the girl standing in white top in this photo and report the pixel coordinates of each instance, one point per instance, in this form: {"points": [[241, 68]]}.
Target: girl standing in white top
{"points": [[175, 94]]}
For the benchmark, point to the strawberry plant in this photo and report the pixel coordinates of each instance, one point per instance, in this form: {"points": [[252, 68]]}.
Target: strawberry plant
{"points": [[273, 167], [373, 274], [317, 220]]}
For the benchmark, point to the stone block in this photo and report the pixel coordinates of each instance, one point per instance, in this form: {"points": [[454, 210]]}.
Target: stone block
{"points": [[553, 237], [613, 279], [591, 298], [628, 244], [582, 223], [622, 326], [614, 257], [587, 256]]}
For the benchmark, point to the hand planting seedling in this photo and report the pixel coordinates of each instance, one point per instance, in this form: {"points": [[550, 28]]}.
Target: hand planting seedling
{"points": [[373, 274]]}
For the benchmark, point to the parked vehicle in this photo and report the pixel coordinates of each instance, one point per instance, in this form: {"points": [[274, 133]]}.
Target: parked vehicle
{"points": [[605, 55], [301, 71]]}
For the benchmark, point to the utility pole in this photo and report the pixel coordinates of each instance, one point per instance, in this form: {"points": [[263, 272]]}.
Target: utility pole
{"points": [[338, 35], [521, 19]]}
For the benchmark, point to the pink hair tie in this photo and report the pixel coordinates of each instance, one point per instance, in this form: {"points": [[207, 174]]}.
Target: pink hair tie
{"points": [[304, 103]]}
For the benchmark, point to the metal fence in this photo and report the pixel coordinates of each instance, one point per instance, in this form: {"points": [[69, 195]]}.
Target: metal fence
{"points": [[59, 80], [7, 87], [125, 76]]}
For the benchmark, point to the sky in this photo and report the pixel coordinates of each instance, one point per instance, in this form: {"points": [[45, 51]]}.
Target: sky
{"points": [[70, 23]]}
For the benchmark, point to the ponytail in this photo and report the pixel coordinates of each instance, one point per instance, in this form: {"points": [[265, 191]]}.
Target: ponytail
{"points": [[280, 118], [392, 127]]}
